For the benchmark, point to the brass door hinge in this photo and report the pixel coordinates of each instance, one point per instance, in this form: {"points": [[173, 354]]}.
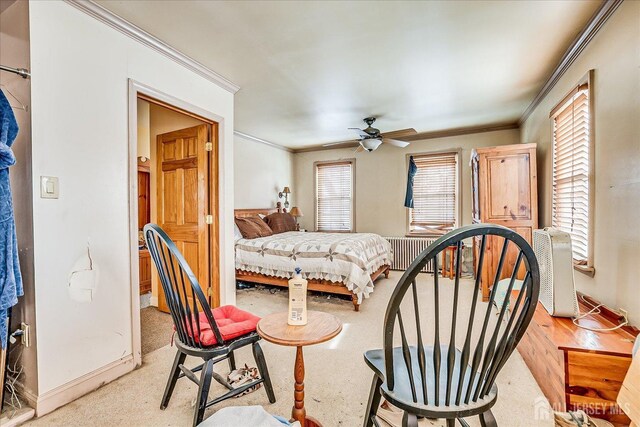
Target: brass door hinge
{"points": [[208, 146], [208, 219]]}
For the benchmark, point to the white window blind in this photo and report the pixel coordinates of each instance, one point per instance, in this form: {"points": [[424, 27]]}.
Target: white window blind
{"points": [[334, 196], [435, 194], [570, 206]]}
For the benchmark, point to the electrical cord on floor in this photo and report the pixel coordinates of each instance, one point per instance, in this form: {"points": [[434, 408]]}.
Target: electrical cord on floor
{"points": [[596, 310], [13, 374]]}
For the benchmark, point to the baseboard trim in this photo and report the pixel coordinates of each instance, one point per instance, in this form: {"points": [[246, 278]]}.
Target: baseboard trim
{"points": [[77, 388], [20, 417]]}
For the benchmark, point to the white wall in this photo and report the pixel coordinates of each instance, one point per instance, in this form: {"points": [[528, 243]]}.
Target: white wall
{"points": [[80, 78], [261, 171], [614, 54], [381, 179]]}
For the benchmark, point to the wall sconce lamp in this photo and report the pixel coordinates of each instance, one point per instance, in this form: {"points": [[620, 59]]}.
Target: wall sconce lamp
{"points": [[285, 193]]}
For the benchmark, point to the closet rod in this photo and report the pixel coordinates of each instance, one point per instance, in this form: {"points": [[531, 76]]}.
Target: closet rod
{"points": [[22, 72]]}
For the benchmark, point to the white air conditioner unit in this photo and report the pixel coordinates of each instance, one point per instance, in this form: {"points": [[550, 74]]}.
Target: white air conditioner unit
{"points": [[555, 258]]}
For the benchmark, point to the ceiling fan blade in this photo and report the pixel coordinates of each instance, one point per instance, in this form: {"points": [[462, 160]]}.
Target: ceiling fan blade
{"points": [[348, 143], [360, 132], [395, 142], [401, 133]]}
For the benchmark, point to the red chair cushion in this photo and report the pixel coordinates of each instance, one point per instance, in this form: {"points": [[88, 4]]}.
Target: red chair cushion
{"points": [[232, 323]]}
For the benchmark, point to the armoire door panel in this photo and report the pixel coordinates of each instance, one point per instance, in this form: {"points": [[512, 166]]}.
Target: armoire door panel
{"points": [[505, 192], [509, 196]]}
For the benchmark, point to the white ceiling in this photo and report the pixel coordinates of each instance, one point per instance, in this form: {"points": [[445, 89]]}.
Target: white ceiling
{"points": [[308, 70]]}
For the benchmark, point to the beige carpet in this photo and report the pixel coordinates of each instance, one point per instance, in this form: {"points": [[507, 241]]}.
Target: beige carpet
{"points": [[337, 381], [155, 329]]}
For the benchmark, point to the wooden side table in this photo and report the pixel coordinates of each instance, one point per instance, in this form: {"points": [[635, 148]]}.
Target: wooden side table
{"points": [[578, 368], [320, 327], [448, 266]]}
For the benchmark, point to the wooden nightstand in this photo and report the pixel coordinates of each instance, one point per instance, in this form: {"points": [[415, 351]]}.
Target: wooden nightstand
{"points": [[577, 368], [144, 259]]}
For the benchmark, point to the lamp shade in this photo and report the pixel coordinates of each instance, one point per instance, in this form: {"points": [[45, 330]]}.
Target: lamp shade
{"points": [[286, 190], [371, 144], [295, 211]]}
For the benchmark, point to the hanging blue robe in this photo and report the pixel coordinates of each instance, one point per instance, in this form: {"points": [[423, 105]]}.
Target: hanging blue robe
{"points": [[411, 173], [10, 277]]}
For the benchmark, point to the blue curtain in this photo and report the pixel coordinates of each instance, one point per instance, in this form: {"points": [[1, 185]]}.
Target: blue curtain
{"points": [[408, 198], [10, 277]]}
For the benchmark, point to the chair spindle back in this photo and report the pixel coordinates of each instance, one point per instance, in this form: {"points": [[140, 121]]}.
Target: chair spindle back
{"points": [[451, 374], [181, 288]]}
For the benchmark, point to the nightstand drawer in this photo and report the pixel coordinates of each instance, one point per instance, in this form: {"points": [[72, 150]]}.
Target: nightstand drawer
{"points": [[593, 381]]}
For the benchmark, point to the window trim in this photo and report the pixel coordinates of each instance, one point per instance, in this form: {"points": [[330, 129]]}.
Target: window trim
{"points": [[588, 79], [353, 193], [458, 153]]}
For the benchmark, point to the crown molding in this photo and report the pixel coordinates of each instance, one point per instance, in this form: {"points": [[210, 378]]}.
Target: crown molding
{"points": [[467, 130], [127, 28], [575, 49], [262, 141]]}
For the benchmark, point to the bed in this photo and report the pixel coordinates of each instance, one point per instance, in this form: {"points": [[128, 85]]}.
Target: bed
{"points": [[336, 263]]}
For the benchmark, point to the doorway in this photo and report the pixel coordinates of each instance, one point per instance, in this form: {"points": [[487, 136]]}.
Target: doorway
{"points": [[177, 186]]}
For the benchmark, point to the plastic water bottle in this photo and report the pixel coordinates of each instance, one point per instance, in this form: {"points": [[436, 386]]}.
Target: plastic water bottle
{"points": [[297, 299]]}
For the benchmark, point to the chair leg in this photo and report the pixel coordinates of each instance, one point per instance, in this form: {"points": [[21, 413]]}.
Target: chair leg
{"points": [[173, 378], [374, 401], [203, 392], [409, 420], [451, 422], [232, 362], [488, 420], [258, 355]]}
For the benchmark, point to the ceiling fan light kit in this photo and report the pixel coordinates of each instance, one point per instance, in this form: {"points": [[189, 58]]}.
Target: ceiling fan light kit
{"points": [[370, 144], [371, 138]]}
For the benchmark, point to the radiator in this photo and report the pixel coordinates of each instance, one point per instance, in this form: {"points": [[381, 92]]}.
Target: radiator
{"points": [[406, 249]]}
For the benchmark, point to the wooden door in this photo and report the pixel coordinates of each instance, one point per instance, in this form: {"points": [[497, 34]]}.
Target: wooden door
{"points": [[183, 176]]}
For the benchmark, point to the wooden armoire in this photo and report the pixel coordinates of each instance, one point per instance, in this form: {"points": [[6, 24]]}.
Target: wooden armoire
{"points": [[504, 188]]}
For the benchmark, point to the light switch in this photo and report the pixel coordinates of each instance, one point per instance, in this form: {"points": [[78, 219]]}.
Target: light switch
{"points": [[49, 187]]}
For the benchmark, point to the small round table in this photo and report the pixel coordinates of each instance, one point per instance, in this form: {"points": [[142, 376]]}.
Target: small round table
{"points": [[320, 327]]}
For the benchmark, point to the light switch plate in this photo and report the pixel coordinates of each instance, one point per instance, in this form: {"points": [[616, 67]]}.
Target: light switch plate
{"points": [[49, 187]]}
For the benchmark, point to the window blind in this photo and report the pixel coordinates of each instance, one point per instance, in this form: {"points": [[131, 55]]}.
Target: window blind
{"points": [[435, 194], [334, 196], [570, 205]]}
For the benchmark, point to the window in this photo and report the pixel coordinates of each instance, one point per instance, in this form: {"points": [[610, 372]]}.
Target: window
{"points": [[334, 196], [571, 199], [435, 194]]}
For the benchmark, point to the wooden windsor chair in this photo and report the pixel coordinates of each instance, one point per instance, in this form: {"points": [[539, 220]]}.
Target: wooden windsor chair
{"points": [[450, 378], [200, 332]]}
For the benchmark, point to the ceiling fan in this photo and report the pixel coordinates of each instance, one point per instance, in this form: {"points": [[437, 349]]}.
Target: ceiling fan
{"points": [[371, 138]]}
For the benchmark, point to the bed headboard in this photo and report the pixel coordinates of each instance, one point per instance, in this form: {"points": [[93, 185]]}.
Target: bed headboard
{"points": [[243, 213]]}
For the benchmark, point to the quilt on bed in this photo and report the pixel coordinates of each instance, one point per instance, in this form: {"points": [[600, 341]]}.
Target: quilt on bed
{"points": [[349, 259]]}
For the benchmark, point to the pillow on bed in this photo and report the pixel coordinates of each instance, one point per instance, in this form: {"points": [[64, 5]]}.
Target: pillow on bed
{"points": [[281, 222], [237, 235], [252, 227]]}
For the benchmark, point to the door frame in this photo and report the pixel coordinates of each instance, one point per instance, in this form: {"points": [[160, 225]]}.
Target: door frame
{"points": [[137, 89]]}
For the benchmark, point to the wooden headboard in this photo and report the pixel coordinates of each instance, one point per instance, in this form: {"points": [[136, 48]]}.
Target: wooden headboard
{"points": [[243, 213]]}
